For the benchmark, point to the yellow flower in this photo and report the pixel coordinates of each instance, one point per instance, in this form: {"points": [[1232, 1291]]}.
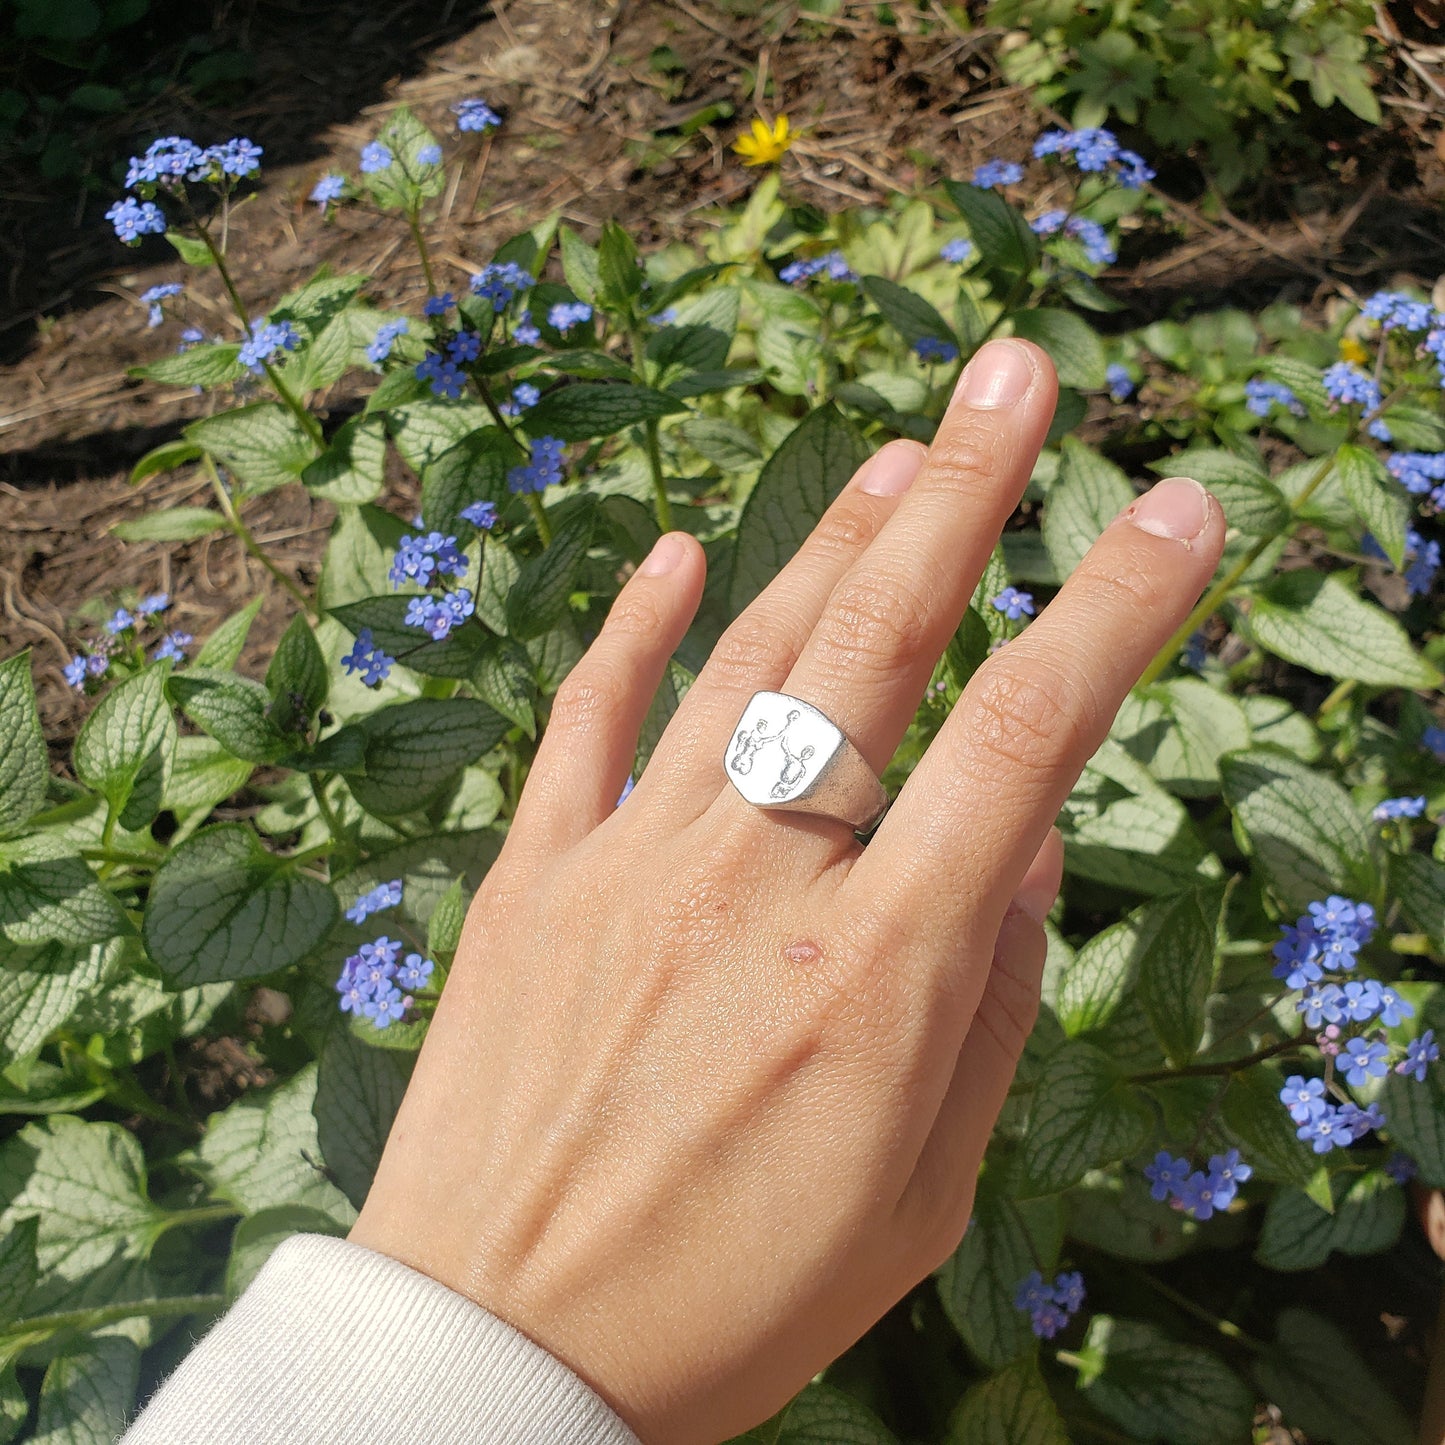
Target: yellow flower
{"points": [[1352, 350], [764, 147]]}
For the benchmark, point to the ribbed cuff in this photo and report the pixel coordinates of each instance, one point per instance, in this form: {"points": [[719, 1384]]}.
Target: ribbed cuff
{"points": [[333, 1344]]}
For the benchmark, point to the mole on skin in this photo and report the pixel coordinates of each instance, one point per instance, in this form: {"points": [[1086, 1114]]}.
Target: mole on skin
{"points": [[804, 951]]}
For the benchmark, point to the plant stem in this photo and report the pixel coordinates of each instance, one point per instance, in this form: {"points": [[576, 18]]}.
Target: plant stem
{"points": [[44, 1325], [321, 850], [413, 219], [1341, 691], [122, 855], [309, 424], [1230, 1066], [1227, 1328], [659, 486], [202, 1214], [539, 515], [1217, 594], [328, 814], [248, 541]]}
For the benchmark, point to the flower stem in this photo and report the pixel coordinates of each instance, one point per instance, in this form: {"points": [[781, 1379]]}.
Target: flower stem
{"points": [[1227, 1328], [1229, 1066], [248, 541], [659, 485], [42, 1326], [1215, 597], [309, 424], [413, 219], [328, 815], [539, 515]]}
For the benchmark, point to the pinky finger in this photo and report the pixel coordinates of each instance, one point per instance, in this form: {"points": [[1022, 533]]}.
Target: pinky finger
{"points": [[587, 750]]}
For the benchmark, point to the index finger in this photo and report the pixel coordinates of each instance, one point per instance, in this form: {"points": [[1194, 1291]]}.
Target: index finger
{"points": [[976, 808]]}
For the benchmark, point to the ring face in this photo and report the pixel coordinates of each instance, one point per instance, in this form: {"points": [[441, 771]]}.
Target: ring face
{"points": [[785, 753], [779, 749]]}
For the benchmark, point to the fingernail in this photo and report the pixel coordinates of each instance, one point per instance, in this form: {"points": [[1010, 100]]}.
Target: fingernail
{"points": [[999, 374], [666, 553], [1177, 508], [891, 470], [1040, 887]]}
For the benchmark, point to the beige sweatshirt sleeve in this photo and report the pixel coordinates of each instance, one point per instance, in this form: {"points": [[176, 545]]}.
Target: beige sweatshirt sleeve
{"points": [[333, 1344]]}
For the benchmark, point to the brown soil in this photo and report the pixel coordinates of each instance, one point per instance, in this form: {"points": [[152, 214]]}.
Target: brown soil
{"points": [[595, 119]]}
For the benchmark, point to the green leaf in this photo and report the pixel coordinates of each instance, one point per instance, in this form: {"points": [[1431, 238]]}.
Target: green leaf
{"points": [[48, 896], [1297, 1234], [263, 444], [1262, 1130], [822, 1415], [1252, 503], [1308, 836], [233, 710], [586, 409], [339, 345], [164, 458], [191, 249], [795, 487], [1073, 345], [204, 365], [1012, 1408], [352, 467], [1000, 232], [257, 1236], [579, 264], [1418, 881], [18, 1269], [539, 595], [1112, 1210], [296, 678], [223, 647], [41, 989], [1158, 1389], [124, 749], [694, 348], [174, 524], [222, 907], [1379, 501], [475, 470], [88, 1393], [1179, 729], [444, 928], [502, 678], [1084, 1115], [907, 312], [1416, 1111], [358, 1092], [454, 656], [1089, 493], [1303, 379], [263, 1151], [423, 430], [24, 762], [413, 749], [620, 277], [1323, 1388], [977, 1284], [86, 1184], [406, 181]]}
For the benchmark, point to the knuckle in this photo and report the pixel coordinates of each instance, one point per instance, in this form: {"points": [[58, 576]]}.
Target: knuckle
{"points": [[872, 618], [750, 649], [842, 533], [1026, 713], [588, 694], [962, 456], [636, 614], [1122, 590]]}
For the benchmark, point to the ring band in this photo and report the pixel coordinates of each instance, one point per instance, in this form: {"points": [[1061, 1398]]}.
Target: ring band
{"points": [[784, 753]]}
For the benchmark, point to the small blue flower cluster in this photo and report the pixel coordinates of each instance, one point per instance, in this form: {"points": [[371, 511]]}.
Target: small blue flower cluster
{"points": [[368, 659], [133, 219], [475, 114], [1419, 473], [1323, 1125], [385, 339], [265, 340], [956, 252], [1197, 1192], [1401, 1168], [934, 348], [1013, 603], [834, 266], [1050, 1307], [375, 157], [438, 305], [331, 187], [543, 469], [1422, 560], [1095, 149], [1097, 246], [436, 616], [499, 281], [424, 559], [429, 155], [167, 165], [384, 895], [524, 333], [153, 298], [1262, 396], [1399, 808], [372, 980], [1397, 311], [1119, 382], [524, 397], [1324, 940], [93, 665], [998, 173], [567, 314], [1346, 385], [482, 515]]}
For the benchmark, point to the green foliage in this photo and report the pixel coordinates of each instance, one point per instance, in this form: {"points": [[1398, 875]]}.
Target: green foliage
{"points": [[225, 819], [1224, 77]]}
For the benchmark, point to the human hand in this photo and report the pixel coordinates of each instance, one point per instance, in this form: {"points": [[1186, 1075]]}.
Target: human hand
{"points": [[709, 1085]]}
